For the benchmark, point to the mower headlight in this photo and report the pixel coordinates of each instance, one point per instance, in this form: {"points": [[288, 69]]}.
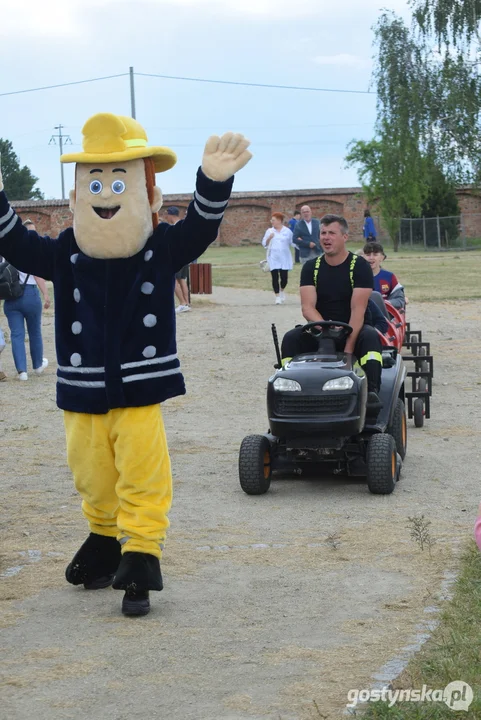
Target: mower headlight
{"points": [[342, 383], [285, 385]]}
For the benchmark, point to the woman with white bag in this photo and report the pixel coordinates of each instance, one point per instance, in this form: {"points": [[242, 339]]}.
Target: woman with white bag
{"points": [[278, 241]]}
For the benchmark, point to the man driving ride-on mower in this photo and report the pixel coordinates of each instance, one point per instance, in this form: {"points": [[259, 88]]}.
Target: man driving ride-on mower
{"points": [[337, 286]]}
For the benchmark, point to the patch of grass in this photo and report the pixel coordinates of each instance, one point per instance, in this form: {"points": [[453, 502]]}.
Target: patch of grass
{"points": [[453, 653], [420, 534], [427, 277]]}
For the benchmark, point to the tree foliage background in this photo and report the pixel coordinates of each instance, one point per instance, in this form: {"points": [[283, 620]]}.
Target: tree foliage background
{"points": [[428, 83], [19, 181]]}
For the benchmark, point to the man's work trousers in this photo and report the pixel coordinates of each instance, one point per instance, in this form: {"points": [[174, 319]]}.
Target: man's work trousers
{"points": [[368, 351], [121, 468]]}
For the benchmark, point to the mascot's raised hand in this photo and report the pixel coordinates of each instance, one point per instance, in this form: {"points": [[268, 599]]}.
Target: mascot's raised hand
{"points": [[224, 156]]}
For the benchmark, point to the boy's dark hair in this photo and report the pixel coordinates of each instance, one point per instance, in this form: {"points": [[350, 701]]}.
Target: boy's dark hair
{"points": [[297, 212], [329, 219], [373, 247]]}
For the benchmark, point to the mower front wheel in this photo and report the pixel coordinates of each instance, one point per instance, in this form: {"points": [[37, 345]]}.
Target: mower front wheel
{"points": [[382, 464], [255, 465]]}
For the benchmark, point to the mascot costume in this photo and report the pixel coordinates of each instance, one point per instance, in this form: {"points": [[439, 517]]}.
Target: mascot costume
{"points": [[113, 276]]}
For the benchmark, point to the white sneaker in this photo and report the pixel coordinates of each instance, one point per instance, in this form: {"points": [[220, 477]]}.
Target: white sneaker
{"points": [[278, 301], [282, 296], [178, 309], [184, 308], [22, 376], [39, 371]]}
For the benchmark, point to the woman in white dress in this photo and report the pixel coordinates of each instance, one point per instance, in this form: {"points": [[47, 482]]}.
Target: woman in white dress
{"points": [[278, 241]]}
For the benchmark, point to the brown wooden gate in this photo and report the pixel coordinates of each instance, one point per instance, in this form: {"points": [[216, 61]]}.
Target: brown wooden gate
{"points": [[201, 279]]}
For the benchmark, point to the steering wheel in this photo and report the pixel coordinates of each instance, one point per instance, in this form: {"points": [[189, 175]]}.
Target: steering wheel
{"points": [[328, 329]]}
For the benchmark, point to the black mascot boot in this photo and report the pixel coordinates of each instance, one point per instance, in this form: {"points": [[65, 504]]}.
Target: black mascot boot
{"points": [[95, 563], [137, 574]]}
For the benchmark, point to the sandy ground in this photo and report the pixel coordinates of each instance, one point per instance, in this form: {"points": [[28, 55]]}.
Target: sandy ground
{"points": [[274, 607]]}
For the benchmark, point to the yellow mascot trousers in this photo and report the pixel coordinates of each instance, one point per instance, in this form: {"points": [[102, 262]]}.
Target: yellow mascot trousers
{"points": [[121, 468]]}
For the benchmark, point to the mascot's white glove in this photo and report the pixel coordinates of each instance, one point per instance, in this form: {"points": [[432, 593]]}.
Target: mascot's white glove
{"points": [[224, 156]]}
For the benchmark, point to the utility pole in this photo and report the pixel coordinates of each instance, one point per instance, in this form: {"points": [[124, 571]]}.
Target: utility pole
{"points": [[61, 140], [132, 92]]}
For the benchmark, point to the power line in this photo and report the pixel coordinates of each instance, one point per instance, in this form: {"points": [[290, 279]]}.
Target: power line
{"points": [[262, 127], [262, 85], [191, 79], [208, 128], [50, 87], [281, 143]]}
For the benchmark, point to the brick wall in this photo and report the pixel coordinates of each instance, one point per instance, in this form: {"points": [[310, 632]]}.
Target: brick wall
{"points": [[248, 214]]}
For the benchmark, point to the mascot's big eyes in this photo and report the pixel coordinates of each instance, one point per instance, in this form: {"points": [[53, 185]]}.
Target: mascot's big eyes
{"points": [[96, 187], [118, 186]]}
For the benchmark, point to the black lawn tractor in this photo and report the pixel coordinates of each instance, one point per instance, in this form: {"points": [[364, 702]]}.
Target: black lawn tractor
{"points": [[318, 414]]}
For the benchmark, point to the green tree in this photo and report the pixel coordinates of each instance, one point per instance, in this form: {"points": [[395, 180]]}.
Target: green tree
{"points": [[441, 201], [449, 33], [392, 167], [428, 136], [19, 181], [429, 85], [452, 21], [387, 181]]}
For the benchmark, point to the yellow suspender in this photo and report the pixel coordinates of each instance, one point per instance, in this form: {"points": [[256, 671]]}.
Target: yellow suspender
{"points": [[351, 269], [316, 269]]}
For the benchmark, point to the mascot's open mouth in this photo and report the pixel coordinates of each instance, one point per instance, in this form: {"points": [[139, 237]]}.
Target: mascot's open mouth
{"points": [[106, 213]]}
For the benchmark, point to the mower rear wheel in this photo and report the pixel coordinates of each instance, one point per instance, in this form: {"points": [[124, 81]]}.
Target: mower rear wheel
{"points": [[398, 428], [418, 411], [381, 461], [255, 465]]}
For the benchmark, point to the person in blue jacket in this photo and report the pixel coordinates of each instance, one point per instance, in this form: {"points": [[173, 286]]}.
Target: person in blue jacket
{"points": [[369, 229], [113, 275]]}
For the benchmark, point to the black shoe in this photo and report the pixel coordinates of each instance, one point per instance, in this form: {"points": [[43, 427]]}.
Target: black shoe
{"points": [[136, 603], [138, 572], [95, 562], [374, 404]]}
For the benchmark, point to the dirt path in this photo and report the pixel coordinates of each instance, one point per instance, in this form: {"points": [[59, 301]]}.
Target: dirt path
{"points": [[263, 615]]}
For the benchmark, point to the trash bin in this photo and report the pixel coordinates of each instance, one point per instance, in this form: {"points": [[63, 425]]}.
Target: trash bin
{"points": [[201, 279]]}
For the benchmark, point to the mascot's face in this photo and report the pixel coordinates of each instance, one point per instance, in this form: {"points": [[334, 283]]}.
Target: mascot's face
{"points": [[112, 213]]}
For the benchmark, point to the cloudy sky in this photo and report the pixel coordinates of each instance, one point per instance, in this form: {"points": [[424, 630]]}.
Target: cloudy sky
{"points": [[299, 137]]}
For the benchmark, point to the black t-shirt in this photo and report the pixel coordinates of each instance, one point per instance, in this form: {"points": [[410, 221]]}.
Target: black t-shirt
{"points": [[334, 288]]}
